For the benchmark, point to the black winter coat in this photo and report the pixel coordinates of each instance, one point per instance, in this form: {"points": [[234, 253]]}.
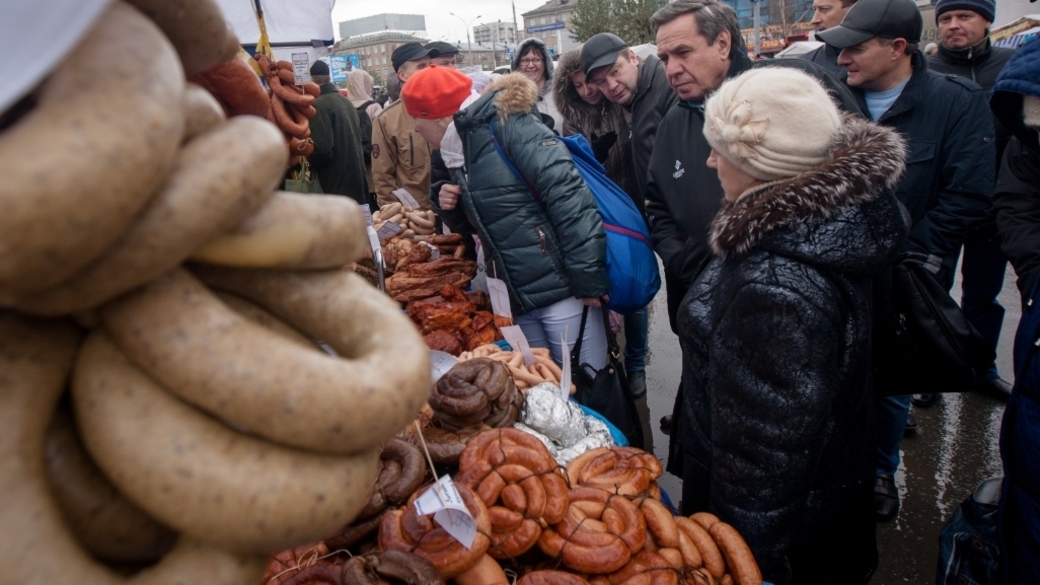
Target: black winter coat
{"points": [[948, 183], [776, 344], [545, 250], [980, 64], [827, 58], [654, 97], [683, 194], [338, 158]]}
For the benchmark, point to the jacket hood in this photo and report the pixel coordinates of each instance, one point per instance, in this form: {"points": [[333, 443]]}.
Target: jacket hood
{"points": [[540, 46], [359, 87], [839, 216], [575, 110], [509, 94], [1021, 76]]}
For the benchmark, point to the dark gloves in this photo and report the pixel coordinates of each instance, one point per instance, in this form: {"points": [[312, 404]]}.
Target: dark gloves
{"points": [[601, 145]]}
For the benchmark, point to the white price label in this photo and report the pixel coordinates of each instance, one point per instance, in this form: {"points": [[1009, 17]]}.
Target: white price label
{"points": [[301, 67], [435, 252], [515, 337], [565, 377], [367, 212], [373, 240], [448, 509], [440, 363], [499, 294], [388, 230], [406, 198]]}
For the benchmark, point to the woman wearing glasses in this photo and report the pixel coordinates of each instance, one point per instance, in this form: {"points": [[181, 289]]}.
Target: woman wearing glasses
{"points": [[533, 60]]}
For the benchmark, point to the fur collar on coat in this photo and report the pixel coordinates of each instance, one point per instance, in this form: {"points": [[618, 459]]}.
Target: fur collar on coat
{"points": [[866, 159]]}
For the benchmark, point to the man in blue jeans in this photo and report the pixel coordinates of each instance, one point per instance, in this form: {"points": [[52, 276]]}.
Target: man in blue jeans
{"points": [[948, 183]]}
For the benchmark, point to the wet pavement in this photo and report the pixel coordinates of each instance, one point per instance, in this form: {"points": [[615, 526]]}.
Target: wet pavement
{"points": [[955, 449]]}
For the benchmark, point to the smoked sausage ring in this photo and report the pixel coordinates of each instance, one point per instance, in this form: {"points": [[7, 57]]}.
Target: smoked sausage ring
{"points": [[391, 567], [402, 471], [475, 391], [406, 530], [599, 534], [551, 578], [620, 470], [515, 476]]}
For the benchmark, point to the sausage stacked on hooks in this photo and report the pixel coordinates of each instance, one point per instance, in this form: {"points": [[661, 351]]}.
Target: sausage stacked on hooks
{"points": [[292, 105]]}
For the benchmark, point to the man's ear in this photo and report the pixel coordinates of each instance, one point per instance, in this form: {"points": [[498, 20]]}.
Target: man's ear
{"points": [[399, 76], [723, 43], [898, 48], [632, 57]]}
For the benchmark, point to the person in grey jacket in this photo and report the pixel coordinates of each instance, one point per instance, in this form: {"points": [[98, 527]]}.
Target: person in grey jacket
{"points": [[539, 225]]}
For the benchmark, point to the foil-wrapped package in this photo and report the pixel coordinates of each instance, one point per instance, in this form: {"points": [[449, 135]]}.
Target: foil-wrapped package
{"points": [[548, 413], [549, 444], [562, 422]]}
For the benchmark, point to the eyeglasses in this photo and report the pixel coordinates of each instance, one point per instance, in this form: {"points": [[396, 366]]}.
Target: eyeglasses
{"points": [[530, 61]]}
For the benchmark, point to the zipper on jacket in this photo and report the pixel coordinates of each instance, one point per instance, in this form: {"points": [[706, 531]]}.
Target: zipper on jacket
{"points": [[541, 239], [411, 150]]}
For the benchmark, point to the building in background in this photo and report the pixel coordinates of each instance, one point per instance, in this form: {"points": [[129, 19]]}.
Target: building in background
{"points": [[550, 23], [373, 51], [404, 23], [496, 33]]}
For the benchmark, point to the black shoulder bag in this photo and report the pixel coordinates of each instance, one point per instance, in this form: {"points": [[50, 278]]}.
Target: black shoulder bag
{"points": [[923, 343], [607, 393]]}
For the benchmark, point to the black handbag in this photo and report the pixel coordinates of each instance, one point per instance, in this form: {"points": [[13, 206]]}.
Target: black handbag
{"points": [[607, 392], [923, 343]]}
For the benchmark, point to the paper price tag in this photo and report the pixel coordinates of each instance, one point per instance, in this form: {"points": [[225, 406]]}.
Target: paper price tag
{"points": [[516, 338], [449, 511], [388, 230], [367, 212], [440, 363], [499, 297], [373, 240], [565, 377], [301, 67], [406, 198]]}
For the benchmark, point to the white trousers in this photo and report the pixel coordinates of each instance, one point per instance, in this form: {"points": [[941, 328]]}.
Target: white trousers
{"points": [[545, 327]]}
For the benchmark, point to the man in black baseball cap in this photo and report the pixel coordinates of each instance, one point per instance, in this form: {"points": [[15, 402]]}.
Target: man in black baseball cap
{"points": [[888, 19], [949, 174], [409, 52], [442, 54]]}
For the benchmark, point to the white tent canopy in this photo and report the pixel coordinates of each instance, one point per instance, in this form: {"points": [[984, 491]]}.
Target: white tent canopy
{"points": [[300, 23], [800, 48]]}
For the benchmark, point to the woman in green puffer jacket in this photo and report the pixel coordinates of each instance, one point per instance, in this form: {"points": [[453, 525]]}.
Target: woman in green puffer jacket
{"points": [[545, 242]]}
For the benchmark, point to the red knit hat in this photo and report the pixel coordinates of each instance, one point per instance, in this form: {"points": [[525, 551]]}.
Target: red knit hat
{"points": [[435, 92]]}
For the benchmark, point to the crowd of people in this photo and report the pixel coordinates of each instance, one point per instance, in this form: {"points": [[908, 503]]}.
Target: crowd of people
{"points": [[779, 193]]}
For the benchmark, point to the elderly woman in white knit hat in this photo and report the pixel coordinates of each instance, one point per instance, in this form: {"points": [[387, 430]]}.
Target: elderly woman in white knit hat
{"points": [[776, 331]]}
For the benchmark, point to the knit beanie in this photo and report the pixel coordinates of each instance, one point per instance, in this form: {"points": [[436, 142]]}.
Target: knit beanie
{"points": [[320, 68], [772, 122], [435, 92], [986, 8]]}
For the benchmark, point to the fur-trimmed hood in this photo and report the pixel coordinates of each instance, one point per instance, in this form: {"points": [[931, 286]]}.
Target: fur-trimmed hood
{"points": [[812, 216], [509, 94], [539, 45], [575, 111]]}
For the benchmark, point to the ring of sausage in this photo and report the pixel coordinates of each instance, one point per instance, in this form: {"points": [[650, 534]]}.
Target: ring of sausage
{"points": [[621, 470], [516, 477], [80, 166], [598, 535], [406, 530], [181, 334], [212, 483]]}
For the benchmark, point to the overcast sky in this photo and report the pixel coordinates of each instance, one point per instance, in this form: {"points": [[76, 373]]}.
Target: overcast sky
{"points": [[440, 25]]}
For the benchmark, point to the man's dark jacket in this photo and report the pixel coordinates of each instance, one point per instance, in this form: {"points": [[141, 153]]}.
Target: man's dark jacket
{"points": [[654, 97], [338, 158], [545, 250], [683, 194], [981, 64], [826, 57], [948, 183], [776, 342]]}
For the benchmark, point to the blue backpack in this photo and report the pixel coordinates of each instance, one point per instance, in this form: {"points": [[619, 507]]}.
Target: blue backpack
{"points": [[631, 263]]}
